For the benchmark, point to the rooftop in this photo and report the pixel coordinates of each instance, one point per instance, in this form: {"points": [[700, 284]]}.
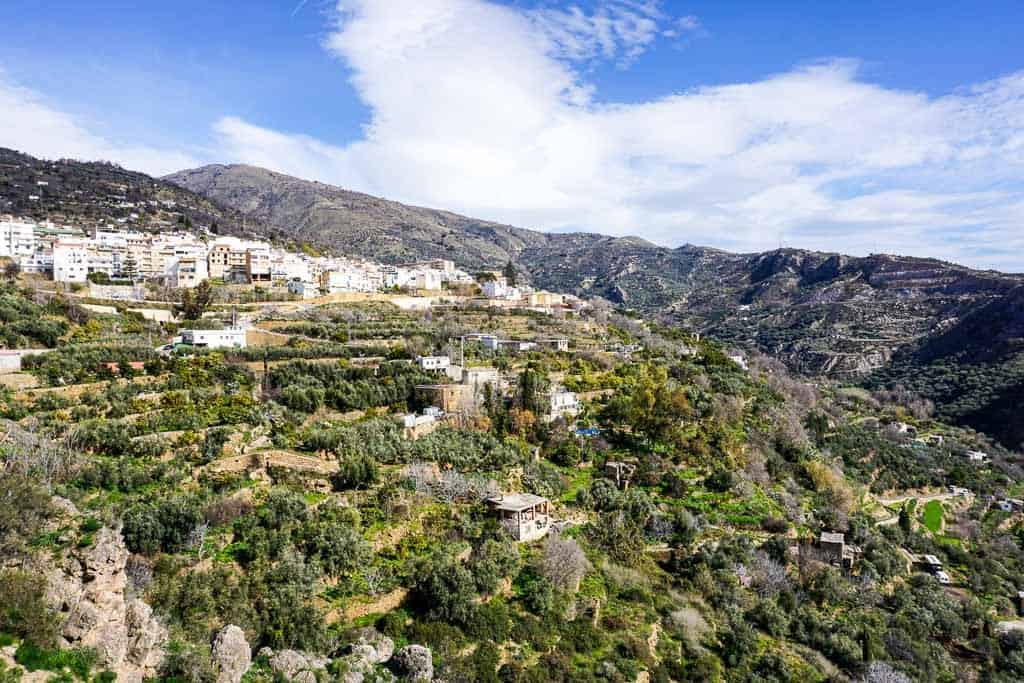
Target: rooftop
{"points": [[832, 537], [516, 502]]}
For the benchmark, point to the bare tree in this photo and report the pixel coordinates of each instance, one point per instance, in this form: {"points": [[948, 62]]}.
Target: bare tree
{"points": [[880, 672], [197, 538], [26, 450], [769, 577], [563, 562]]}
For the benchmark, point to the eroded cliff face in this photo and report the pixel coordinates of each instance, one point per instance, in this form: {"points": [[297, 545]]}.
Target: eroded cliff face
{"points": [[88, 588]]}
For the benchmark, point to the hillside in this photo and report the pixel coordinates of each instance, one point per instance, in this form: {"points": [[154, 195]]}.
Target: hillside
{"points": [[90, 194], [873, 319], [258, 514]]}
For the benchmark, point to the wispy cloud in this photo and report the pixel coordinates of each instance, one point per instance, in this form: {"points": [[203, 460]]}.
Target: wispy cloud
{"points": [[480, 108], [30, 123], [619, 30]]}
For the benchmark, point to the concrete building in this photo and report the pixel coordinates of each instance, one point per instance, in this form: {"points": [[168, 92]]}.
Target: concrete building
{"points": [[10, 361], [557, 343], [433, 363], [546, 299], [187, 272], [70, 260], [451, 398], [214, 339], [526, 516], [304, 289], [495, 289], [427, 279], [257, 263], [17, 238], [478, 377], [835, 549], [562, 404]]}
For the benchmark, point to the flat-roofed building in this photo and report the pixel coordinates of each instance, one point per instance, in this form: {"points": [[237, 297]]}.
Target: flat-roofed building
{"points": [[526, 516], [70, 260], [214, 339]]}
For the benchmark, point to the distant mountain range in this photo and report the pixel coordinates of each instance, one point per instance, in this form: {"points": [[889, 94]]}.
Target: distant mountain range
{"points": [[952, 333]]}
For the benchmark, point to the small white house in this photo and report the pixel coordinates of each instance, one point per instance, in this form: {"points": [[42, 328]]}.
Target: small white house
{"points": [[563, 404], [214, 339], [428, 279], [739, 360], [10, 361], [411, 420], [495, 289], [976, 456], [434, 363]]}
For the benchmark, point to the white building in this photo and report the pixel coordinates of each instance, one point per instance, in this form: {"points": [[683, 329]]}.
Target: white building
{"points": [[563, 404], [427, 279], [346, 279], [739, 360], [17, 238], [439, 363], [304, 289], [976, 456], [495, 289], [186, 272], [39, 262], [70, 260], [214, 339]]}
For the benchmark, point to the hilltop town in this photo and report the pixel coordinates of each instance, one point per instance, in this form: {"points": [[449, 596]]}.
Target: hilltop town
{"points": [[183, 260]]}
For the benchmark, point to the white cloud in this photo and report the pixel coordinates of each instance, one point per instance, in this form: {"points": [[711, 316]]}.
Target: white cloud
{"points": [[479, 108], [29, 124]]}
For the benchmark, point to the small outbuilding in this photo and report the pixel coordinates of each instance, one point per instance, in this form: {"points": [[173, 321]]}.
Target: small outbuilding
{"points": [[525, 515]]}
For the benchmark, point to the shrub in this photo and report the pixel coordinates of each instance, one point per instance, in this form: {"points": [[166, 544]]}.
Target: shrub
{"points": [[23, 609]]}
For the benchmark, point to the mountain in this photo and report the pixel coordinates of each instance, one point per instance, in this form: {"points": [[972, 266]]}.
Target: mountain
{"points": [[354, 222], [879, 320]]}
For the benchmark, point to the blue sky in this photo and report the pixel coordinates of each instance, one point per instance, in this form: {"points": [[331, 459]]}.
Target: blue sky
{"points": [[850, 126]]}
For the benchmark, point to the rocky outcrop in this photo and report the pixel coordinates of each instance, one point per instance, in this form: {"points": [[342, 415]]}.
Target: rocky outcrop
{"points": [[231, 654], [300, 667], [88, 590], [374, 646], [415, 663]]}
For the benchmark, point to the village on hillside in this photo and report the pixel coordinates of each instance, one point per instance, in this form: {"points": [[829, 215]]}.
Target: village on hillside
{"points": [[272, 462]]}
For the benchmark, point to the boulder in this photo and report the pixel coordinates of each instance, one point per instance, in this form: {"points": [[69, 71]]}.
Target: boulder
{"points": [[293, 665], [376, 646], [415, 663], [231, 654]]}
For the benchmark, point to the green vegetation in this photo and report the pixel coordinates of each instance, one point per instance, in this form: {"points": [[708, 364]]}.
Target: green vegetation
{"points": [[285, 498], [932, 516]]}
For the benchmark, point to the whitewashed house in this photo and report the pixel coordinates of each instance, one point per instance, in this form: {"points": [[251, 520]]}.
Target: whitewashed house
{"points": [[433, 363], [562, 403], [70, 260], [214, 339]]}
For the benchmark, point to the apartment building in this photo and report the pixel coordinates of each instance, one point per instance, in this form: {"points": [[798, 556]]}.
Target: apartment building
{"points": [[70, 260], [17, 238]]}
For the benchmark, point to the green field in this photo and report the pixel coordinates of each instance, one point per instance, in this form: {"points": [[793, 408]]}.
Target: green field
{"points": [[932, 516]]}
